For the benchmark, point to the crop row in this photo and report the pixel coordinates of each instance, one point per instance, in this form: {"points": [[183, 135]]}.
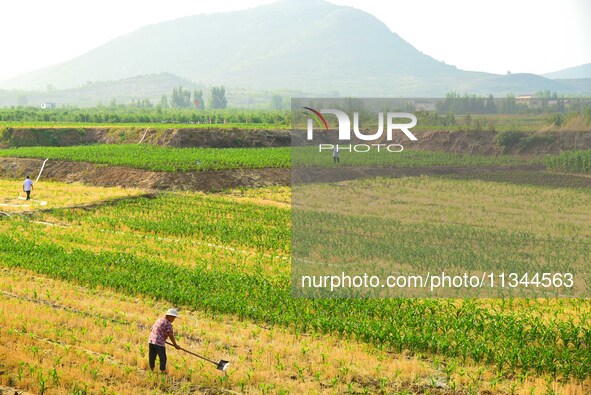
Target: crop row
{"points": [[381, 247], [512, 340], [194, 159], [158, 158], [193, 217], [571, 161]]}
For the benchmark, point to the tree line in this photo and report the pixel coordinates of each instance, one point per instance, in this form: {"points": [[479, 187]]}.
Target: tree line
{"points": [[183, 98], [120, 113], [542, 101]]}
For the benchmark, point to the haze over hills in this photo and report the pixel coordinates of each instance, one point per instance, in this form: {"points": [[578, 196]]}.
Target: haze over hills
{"points": [[311, 46], [582, 71], [150, 87]]}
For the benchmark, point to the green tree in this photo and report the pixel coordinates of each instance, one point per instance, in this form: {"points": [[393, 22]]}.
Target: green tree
{"points": [[218, 97], [180, 98], [198, 101]]}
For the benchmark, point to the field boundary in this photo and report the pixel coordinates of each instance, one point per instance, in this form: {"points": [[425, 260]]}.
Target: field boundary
{"points": [[111, 176]]}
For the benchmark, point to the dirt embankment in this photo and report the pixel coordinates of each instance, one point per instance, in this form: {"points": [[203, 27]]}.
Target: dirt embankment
{"points": [[468, 142], [494, 143], [210, 137], [101, 175], [483, 143]]}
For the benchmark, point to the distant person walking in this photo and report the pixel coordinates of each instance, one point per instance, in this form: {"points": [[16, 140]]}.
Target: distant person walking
{"points": [[335, 154], [28, 187], [161, 330]]}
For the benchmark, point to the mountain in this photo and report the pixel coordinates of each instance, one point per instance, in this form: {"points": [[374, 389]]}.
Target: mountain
{"points": [[307, 45], [582, 71]]}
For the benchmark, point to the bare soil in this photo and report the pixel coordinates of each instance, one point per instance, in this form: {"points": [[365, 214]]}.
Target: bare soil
{"points": [[215, 181], [108, 176]]}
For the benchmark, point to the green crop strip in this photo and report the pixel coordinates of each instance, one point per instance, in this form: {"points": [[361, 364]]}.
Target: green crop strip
{"points": [[216, 220], [571, 161], [157, 158], [168, 159], [511, 341]]}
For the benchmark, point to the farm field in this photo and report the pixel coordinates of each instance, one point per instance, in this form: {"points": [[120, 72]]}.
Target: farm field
{"points": [[228, 254], [572, 161], [167, 159], [85, 270], [157, 158], [57, 195], [435, 224], [126, 117], [85, 340], [142, 119], [142, 125]]}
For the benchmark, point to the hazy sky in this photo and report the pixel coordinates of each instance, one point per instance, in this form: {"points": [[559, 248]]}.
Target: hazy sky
{"points": [[535, 36]]}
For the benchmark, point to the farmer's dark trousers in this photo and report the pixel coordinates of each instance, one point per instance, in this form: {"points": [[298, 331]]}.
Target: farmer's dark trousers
{"points": [[161, 352], [28, 195]]}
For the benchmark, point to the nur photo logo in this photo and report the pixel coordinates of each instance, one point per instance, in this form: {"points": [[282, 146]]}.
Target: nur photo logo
{"points": [[346, 133]]}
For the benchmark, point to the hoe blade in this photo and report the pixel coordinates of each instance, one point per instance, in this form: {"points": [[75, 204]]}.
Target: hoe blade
{"points": [[223, 365]]}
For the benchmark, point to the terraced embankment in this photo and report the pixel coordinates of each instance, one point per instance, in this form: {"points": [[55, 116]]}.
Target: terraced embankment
{"points": [[108, 176]]}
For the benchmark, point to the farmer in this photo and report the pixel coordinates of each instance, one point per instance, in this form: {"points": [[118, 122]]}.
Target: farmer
{"points": [[28, 187], [335, 154], [161, 330]]}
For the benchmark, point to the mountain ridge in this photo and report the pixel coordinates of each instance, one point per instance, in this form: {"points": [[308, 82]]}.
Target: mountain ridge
{"points": [[576, 72], [311, 45]]}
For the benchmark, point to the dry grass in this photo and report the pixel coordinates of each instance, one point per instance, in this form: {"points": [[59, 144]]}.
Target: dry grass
{"points": [[71, 337], [176, 250], [515, 208], [279, 196], [48, 195]]}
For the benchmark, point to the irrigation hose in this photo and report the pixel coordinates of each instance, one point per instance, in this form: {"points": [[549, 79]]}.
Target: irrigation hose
{"points": [[41, 171]]}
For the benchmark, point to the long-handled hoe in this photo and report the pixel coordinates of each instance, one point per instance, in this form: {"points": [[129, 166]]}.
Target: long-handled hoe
{"points": [[221, 365]]}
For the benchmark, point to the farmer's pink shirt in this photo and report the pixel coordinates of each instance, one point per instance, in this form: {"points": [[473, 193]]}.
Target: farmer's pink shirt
{"points": [[160, 331]]}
